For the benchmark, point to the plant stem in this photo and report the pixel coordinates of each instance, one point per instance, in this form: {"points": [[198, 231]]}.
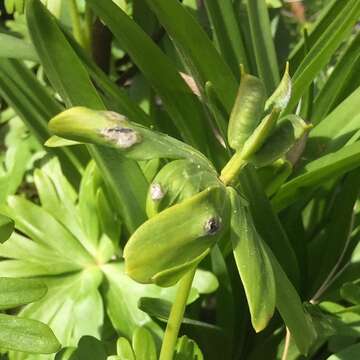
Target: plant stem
{"points": [[176, 317], [75, 19], [232, 169], [286, 345]]}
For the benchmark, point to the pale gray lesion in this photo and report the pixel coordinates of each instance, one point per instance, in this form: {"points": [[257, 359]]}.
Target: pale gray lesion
{"points": [[121, 136], [156, 192], [212, 226]]}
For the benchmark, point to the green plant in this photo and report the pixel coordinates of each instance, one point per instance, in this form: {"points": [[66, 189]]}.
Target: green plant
{"points": [[199, 163]]}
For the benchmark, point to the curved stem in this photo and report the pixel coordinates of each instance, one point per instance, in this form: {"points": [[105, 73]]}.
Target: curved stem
{"points": [[232, 169], [176, 317], [286, 345]]}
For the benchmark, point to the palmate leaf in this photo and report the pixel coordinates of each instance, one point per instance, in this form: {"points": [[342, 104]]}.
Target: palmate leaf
{"points": [[18, 333], [81, 282], [34, 104]]}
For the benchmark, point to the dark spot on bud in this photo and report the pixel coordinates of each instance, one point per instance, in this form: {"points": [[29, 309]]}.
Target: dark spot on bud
{"points": [[212, 226]]}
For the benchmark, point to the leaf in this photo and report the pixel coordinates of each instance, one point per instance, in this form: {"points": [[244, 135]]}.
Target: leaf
{"points": [[267, 222], [132, 140], [33, 103], [321, 52], [144, 345], [340, 76], [6, 228], [253, 264], [187, 349], [336, 130], [351, 292], [160, 309], [350, 353], [196, 48], [72, 81], [90, 348], [16, 48], [21, 334], [16, 292], [40, 226], [327, 15], [263, 44], [227, 33], [173, 229], [72, 306], [124, 349], [186, 114], [290, 308], [315, 172], [122, 296], [337, 231]]}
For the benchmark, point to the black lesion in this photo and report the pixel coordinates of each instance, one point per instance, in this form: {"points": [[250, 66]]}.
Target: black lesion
{"points": [[212, 226]]}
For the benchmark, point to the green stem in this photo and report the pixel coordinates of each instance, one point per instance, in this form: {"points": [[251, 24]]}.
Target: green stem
{"points": [[232, 169], [76, 23], [176, 317]]}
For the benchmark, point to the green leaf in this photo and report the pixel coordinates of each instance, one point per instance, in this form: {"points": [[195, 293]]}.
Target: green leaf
{"points": [[144, 345], [336, 130], [327, 15], [337, 80], [40, 226], [186, 114], [351, 292], [253, 263], [350, 353], [267, 222], [122, 296], [316, 172], [321, 52], [124, 349], [16, 292], [34, 104], [90, 348], [173, 229], [19, 334], [187, 349], [160, 309], [16, 48], [227, 33], [72, 81], [134, 141], [196, 48], [263, 44], [6, 228], [338, 229], [290, 308]]}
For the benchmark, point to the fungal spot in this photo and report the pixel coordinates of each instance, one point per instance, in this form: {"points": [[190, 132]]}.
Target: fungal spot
{"points": [[156, 192], [212, 226], [114, 116], [123, 137]]}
